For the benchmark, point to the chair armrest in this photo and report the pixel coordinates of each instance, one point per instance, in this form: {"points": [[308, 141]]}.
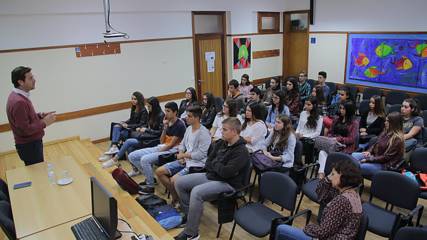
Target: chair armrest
{"points": [[287, 220], [235, 192], [416, 211], [399, 166]]}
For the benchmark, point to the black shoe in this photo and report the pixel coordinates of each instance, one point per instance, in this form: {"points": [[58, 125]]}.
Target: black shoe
{"points": [[146, 189], [183, 221], [143, 183], [183, 236]]}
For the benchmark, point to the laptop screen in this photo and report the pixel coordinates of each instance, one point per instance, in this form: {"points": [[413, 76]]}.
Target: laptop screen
{"points": [[104, 208]]}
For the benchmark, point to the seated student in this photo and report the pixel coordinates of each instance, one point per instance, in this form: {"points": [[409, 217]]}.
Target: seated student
{"points": [[274, 86], [321, 81], [412, 123], [229, 109], [388, 149], [193, 152], [343, 207], [277, 106], [190, 100], [303, 87], [255, 97], [225, 169], [279, 146], [344, 130], [245, 85], [209, 110], [141, 137], [293, 100], [309, 126], [138, 118], [235, 94], [372, 122], [173, 132], [321, 101], [254, 129], [334, 109]]}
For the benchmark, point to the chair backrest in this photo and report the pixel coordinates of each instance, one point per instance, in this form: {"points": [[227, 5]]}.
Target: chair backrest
{"points": [[396, 189], [364, 107], [418, 160], [353, 93], [6, 220], [298, 152], [395, 97], [422, 101], [337, 157], [411, 233], [363, 227], [369, 92], [332, 87], [393, 108], [279, 188], [247, 174], [425, 117]]}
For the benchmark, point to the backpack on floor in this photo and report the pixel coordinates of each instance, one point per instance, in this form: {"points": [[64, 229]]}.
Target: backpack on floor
{"points": [[166, 215], [124, 181]]}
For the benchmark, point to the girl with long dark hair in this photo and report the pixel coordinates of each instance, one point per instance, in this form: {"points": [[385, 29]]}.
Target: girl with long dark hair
{"points": [[190, 100], [254, 129], [277, 107], [372, 122], [209, 110], [229, 109], [293, 100]]}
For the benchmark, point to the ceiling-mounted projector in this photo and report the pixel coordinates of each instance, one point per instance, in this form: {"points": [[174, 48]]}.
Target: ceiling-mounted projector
{"points": [[108, 33]]}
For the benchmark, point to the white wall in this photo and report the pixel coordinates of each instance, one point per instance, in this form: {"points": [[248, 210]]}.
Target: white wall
{"points": [[348, 16]]}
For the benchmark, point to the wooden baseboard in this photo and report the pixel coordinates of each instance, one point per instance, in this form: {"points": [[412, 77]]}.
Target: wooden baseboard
{"points": [[101, 140], [72, 138]]}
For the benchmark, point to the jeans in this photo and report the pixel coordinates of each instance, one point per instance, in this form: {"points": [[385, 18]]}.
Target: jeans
{"points": [[286, 232], [31, 153], [410, 144], [129, 146], [193, 190], [368, 169], [143, 159], [118, 133]]}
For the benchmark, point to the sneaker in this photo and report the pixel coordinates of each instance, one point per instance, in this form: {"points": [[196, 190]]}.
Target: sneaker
{"points": [[109, 163], [134, 173], [104, 158], [113, 150], [146, 189], [143, 183], [184, 236]]}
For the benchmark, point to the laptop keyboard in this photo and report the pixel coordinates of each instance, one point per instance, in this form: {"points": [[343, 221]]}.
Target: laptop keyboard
{"points": [[88, 230]]}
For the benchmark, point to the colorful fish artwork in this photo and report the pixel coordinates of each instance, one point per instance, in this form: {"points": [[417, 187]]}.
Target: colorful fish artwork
{"points": [[372, 72], [383, 50], [362, 60], [421, 49], [403, 63]]}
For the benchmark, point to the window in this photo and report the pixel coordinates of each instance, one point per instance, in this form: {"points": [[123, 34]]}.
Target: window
{"points": [[268, 22], [299, 22]]}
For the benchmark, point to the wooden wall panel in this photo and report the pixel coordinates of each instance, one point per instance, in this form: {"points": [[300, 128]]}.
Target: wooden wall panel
{"points": [[266, 53]]}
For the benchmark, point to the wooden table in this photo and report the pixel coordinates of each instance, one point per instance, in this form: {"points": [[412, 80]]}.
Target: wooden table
{"points": [[43, 205]]}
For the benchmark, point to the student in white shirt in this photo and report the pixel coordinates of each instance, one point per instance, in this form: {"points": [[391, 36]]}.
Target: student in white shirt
{"points": [[254, 130], [229, 109], [309, 126]]}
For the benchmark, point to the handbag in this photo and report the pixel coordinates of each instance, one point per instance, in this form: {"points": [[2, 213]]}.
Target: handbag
{"points": [[124, 181], [328, 144], [262, 162]]}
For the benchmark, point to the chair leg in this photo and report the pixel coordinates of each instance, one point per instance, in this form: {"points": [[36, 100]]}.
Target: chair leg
{"points": [[253, 187], [232, 230], [219, 231], [299, 203]]}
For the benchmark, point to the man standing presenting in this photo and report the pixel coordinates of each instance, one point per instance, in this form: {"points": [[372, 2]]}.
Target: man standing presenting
{"points": [[27, 125]]}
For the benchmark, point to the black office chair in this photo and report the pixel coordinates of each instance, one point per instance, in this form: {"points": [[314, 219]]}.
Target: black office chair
{"points": [[297, 160], [309, 188], [332, 87], [395, 97], [418, 163], [369, 92], [424, 115], [393, 108], [256, 218], [353, 93], [396, 190], [6, 220], [227, 202], [364, 107], [411, 233], [363, 227], [422, 101]]}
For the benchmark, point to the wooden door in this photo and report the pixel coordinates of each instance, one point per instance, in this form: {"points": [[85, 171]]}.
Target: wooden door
{"points": [[295, 43], [210, 65]]}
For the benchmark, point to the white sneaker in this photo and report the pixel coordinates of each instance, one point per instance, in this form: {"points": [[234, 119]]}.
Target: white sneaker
{"points": [[112, 150], [109, 163], [104, 158], [134, 173]]}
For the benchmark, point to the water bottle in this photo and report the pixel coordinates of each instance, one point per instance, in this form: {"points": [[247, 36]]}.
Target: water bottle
{"points": [[50, 173]]}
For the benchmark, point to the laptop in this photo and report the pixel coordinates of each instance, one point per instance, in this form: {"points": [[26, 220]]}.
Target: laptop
{"points": [[102, 225]]}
